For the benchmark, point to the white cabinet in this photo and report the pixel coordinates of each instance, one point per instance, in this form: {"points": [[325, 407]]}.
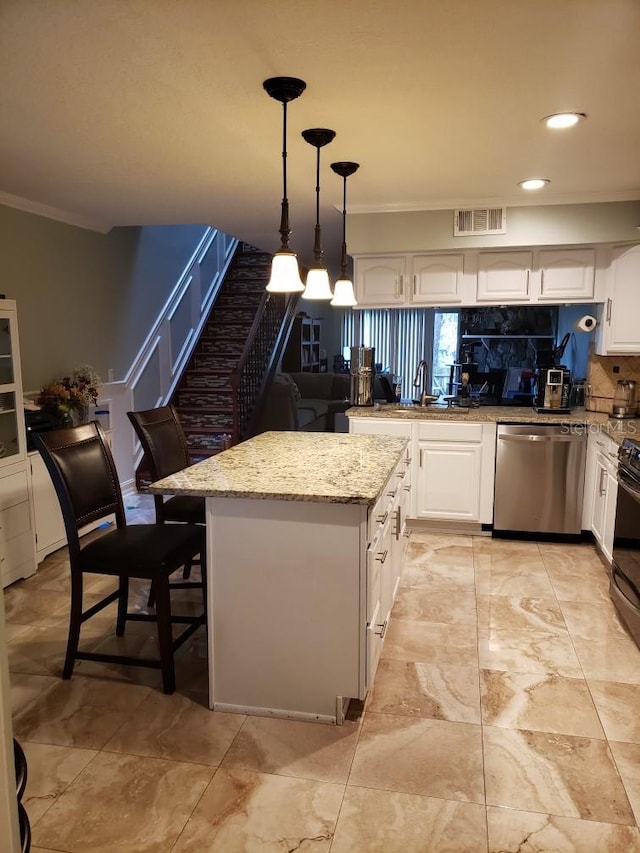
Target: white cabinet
{"points": [[380, 280], [436, 279], [17, 552], [601, 479], [504, 276], [619, 331], [452, 469], [566, 275]]}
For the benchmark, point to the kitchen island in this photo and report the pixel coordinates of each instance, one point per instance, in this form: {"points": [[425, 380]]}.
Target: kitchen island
{"points": [[300, 566]]}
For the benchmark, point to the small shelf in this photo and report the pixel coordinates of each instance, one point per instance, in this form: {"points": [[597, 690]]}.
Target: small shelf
{"points": [[303, 348]]}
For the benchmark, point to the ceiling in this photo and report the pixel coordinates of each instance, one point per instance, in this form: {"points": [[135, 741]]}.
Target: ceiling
{"points": [[133, 112]]}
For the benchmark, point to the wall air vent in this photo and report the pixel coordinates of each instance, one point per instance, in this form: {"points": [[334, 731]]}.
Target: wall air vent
{"points": [[480, 220]]}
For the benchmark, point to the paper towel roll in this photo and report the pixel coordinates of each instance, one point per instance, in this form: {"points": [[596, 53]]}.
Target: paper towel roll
{"points": [[586, 323]]}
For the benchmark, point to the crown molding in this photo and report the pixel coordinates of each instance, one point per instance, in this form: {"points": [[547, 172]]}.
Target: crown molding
{"points": [[49, 212]]}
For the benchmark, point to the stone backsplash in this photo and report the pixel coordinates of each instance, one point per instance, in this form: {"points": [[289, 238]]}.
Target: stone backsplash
{"points": [[602, 378]]}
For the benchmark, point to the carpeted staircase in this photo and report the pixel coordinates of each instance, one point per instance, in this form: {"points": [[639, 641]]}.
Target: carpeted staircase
{"points": [[204, 398]]}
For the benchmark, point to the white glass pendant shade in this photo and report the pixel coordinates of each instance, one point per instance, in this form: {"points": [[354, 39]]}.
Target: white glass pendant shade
{"points": [[318, 286], [343, 295], [285, 275]]}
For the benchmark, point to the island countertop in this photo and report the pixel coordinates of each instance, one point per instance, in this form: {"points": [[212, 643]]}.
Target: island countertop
{"points": [[293, 466]]}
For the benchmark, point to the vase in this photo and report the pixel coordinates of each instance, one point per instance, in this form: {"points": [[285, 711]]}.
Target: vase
{"points": [[81, 415]]}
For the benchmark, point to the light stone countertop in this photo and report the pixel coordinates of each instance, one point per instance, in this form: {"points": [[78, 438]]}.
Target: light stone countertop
{"points": [[321, 467], [614, 427]]}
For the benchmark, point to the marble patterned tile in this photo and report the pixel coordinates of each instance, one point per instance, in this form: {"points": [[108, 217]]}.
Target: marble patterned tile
{"points": [[444, 543], [627, 758], [41, 650], [422, 554], [241, 810], [411, 640], [571, 559], [528, 651], [554, 774], [51, 769], [619, 709], [528, 832], [453, 606], [437, 574], [25, 688], [126, 802], [13, 631], [571, 587], [293, 748], [81, 712], [611, 659], [589, 621], [513, 580], [176, 728], [435, 691], [519, 547], [547, 703], [27, 606], [389, 822], [504, 613], [440, 758]]}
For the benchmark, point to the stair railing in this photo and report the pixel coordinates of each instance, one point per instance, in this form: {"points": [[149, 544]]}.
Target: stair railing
{"points": [[257, 364]]}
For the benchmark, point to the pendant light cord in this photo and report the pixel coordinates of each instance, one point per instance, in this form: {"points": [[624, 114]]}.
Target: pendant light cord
{"points": [[343, 260], [317, 246]]}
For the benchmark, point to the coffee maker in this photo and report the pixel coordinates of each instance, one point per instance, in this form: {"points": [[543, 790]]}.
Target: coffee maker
{"points": [[625, 403], [552, 389], [362, 371]]}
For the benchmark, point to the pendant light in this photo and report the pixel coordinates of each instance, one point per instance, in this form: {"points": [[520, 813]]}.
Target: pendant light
{"points": [[285, 275], [343, 295], [318, 286]]}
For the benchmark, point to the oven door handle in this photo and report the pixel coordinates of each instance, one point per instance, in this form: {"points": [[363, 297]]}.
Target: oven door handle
{"points": [[629, 485]]}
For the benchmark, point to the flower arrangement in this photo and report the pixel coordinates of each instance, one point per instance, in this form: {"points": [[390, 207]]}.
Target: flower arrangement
{"points": [[71, 395]]}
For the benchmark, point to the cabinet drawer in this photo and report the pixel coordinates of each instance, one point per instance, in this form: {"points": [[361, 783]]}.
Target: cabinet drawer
{"points": [[448, 431], [380, 426], [18, 553], [15, 521], [13, 490]]}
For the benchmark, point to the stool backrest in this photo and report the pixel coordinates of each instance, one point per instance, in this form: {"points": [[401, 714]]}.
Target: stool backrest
{"points": [[84, 475], [162, 440]]}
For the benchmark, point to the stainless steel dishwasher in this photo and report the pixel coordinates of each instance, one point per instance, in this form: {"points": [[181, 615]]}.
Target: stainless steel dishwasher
{"points": [[539, 478]]}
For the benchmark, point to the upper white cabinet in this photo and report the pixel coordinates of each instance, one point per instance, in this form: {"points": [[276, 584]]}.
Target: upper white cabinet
{"points": [[619, 330], [504, 276], [436, 279], [566, 275], [380, 280]]}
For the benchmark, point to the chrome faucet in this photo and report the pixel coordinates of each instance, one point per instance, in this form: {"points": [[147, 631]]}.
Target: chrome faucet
{"points": [[421, 382]]}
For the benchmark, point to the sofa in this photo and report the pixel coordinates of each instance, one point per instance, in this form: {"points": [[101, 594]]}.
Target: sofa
{"points": [[308, 401]]}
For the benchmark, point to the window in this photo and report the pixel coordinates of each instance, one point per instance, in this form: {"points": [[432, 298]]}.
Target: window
{"points": [[402, 338]]}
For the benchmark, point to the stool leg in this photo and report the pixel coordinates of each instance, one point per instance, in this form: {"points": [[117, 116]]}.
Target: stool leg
{"points": [[165, 638], [123, 606], [75, 620]]}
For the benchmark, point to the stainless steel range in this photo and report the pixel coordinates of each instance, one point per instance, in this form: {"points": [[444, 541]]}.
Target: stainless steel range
{"points": [[625, 568]]}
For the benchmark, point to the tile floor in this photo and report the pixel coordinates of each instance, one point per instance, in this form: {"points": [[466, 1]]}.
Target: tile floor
{"points": [[505, 716]]}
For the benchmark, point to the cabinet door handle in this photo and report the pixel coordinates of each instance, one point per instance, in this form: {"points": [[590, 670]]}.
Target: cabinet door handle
{"points": [[380, 629], [392, 494], [398, 524], [608, 310], [603, 482], [527, 287], [382, 518], [382, 557], [407, 488], [401, 474], [420, 457], [415, 284], [541, 281]]}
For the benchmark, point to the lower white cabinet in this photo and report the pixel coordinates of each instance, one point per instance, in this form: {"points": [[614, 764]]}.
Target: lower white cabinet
{"points": [[601, 479], [455, 471], [17, 555], [452, 468]]}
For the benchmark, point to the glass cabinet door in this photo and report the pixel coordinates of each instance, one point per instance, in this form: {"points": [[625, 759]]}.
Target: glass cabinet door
{"points": [[10, 407]]}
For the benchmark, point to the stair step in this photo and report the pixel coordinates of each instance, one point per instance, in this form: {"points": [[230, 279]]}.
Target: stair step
{"points": [[206, 442], [222, 349], [212, 400], [235, 315], [195, 420], [205, 380], [217, 364]]}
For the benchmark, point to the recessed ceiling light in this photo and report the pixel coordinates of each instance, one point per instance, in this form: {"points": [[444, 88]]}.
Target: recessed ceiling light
{"points": [[563, 119], [534, 183]]}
